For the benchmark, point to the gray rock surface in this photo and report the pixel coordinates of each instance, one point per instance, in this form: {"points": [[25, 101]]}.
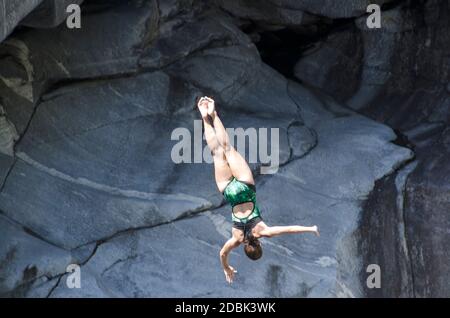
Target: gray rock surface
{"points": [[301, 266], [427, 189], [291, 12], [12, 12], [409, 92], [87, 176], [337, 57], [99, 54], [385, 210], [33, 13], [49, 13], [26, 258]]}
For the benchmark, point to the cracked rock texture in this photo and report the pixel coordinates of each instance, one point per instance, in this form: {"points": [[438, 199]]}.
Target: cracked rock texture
{"points": [[86, 123], [403, 81]]}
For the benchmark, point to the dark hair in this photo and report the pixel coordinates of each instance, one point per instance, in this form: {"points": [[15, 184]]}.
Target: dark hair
{"points": [[253, 249]]}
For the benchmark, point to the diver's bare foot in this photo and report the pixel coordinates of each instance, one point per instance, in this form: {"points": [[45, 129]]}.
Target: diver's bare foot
{"points": [[316, 230], [211, 106], [203, 107]]}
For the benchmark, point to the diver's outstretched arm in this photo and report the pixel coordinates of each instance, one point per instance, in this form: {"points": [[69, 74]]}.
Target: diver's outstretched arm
{"points": [[226, 249], [272, 231]]}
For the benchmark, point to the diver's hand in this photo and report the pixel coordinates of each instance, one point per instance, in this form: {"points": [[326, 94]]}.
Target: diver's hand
{"points": [[229, 274], [316, 230]]}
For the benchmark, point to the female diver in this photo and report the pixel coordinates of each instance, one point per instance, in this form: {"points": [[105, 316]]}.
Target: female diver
{"points": [[235, 181]]}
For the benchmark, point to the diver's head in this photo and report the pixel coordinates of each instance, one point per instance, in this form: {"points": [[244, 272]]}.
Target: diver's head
{"points": [[253, 248]]}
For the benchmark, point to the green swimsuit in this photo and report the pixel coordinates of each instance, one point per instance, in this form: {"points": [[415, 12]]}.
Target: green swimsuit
{"points": [[238, 192]]}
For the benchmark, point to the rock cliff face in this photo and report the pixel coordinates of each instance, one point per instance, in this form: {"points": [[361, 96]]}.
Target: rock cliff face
{"points": [[403, 82], [32, 13], [86, 122]]}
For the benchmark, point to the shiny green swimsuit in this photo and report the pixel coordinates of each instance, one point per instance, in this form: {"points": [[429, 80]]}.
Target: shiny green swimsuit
{"points": [[237, 192]]}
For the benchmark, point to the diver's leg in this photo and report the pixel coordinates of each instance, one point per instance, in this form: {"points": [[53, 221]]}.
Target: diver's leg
{"points": [[222, 171], [239, 166], [236, 162]]}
